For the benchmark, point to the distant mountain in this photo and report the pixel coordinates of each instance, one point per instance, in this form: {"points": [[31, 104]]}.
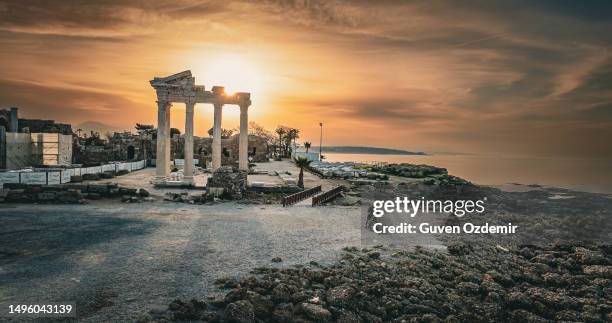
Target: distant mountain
{"points": [[365, 150], [99, 127]]}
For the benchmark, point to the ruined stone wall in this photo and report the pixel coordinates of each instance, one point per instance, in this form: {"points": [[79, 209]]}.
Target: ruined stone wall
{"points": [[65, 150], [92, 155], [47, 126], [8, 119], [51, 149], [2, 147], [18, 150], [5, 119], [118, 149], [258, 149]]}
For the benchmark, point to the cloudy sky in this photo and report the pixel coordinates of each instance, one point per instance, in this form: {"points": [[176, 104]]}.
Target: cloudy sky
{"points": [[487, 77]]}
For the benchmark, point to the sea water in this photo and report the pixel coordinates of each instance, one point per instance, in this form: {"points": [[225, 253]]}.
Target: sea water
{"points": [[589, 175]]}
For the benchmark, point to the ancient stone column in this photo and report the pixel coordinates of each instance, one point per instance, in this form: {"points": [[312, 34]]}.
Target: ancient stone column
{"points": [[168, 137], [243, 163], [216, 145], [188, 166], [162, 166]]}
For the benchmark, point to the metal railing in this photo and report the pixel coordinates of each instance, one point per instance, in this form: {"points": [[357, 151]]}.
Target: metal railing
{"points": [[300, 196], [327, 196]]}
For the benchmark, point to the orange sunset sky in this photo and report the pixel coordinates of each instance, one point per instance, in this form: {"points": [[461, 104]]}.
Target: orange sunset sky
{"points": [[513, 77]]}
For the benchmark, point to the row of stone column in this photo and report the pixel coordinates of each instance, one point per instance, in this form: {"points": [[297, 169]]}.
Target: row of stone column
{"points": [[163, 140]]}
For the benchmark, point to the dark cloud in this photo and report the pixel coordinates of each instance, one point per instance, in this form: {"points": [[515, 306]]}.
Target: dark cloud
{"points": [[106, 18], [63, 104]]}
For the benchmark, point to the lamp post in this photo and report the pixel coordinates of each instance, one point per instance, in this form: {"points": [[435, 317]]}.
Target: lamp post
{"points": [[320, 140]]}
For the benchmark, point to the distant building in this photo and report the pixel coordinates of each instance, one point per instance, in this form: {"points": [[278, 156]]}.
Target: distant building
{"points": [[33, 142], [299, 151]]}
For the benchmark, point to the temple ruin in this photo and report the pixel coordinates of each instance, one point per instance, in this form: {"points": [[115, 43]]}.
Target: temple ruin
{"points": [[181, 88]]}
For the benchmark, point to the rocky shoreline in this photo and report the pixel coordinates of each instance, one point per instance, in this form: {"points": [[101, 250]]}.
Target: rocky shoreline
{"points": [[468, 284]]}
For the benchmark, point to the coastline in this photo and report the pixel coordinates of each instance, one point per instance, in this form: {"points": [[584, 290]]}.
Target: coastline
{"points": [[585, 175]]}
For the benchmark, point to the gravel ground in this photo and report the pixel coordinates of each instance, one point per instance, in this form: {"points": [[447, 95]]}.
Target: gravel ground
{"points": [[118, 260]]}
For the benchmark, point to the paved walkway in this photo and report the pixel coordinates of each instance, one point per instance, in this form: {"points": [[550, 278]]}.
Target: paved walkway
{"points": [[144, 178]]}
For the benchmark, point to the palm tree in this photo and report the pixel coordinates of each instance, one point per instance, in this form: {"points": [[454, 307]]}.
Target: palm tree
{"points": [[280, 131], [307, 146], [291, 135], [301, 162]]}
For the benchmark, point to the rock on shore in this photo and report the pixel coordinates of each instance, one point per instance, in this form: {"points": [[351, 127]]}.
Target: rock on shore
{"points": [[468, 284]]}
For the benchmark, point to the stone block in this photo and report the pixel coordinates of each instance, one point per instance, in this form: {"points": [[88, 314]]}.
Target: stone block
{"points": [[76, 178], [69, 196], [101, 189], [127, 191], [80, 187], [144, 193], [33, 189], [47, 196], [14, 186], [107, 175], [53, 188], [91, 177], [18, 196], [93, 196]]}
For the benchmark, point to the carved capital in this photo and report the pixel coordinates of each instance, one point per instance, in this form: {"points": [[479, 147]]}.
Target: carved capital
{"points": [[190, 101], [163, 104], [244, 108]]}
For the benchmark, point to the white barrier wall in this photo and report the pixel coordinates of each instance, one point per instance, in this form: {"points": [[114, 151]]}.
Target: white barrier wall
{"points": [[181, 162], [66, 175], [53, 177], [9, 177], [33, 178]]}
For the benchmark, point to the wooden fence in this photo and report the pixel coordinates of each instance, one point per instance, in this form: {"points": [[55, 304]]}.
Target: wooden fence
{"points": [[327, 196], [300, 196]]}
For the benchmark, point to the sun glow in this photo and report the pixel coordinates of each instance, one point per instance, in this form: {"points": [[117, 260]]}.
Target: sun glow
{"points": [[234, 72]]}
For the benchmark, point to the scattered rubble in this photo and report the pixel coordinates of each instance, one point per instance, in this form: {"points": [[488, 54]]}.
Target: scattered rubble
{"points": [[70, 193], [410, 170], [185, 197], [233, 182], [469, 284], [345, 170]]}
